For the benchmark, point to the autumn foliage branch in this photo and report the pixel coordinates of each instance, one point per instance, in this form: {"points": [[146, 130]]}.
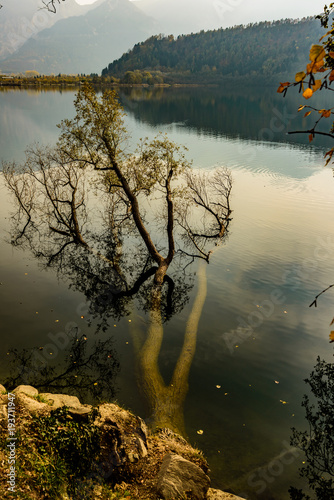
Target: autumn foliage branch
{"points": [[318, 75]]}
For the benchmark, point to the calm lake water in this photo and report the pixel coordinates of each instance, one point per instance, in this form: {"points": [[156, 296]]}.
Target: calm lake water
{"points": [[257, 339]]}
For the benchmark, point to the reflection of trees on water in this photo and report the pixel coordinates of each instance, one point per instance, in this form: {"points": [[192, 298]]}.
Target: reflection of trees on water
{"points": [[123, 227], [258, 114], [85, 369], [318, 441]]}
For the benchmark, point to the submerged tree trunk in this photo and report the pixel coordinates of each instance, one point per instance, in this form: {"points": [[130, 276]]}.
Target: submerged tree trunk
{"points": [[166, 401]]}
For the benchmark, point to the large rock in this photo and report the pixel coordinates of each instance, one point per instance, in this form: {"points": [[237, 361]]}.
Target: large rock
{"points": [[220, 495], [178, 477], [26, 389], [123, 438], [30, 404], [58, 400], [2, 389]]}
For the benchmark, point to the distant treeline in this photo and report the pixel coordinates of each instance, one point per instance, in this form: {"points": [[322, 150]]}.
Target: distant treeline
{"points": [[262, 50]]}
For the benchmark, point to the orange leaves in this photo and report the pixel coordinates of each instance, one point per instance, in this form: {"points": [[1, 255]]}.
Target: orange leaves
{"points": [[307, 113], [331, 76], [308, 93], [282, 87], [317, 54], [329, 154], [310, 137], [325, 113]]}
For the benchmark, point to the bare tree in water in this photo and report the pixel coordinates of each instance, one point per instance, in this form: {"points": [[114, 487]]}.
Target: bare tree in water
{"points": [[117, 222]]}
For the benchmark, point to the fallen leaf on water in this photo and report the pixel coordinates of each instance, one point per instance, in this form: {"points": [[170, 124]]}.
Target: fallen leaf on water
{"points": [[200, 431], [283, 402], [331, 336], [276, 382], [226, 393], [218, 386]]}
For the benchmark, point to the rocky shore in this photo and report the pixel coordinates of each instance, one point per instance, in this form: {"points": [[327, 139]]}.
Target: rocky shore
{"points": [[54, 447]]}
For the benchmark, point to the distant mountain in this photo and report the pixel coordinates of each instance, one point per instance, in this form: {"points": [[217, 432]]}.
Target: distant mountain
{"points": [[261, 50], [83, 44], [19, 20], [185, 16]]}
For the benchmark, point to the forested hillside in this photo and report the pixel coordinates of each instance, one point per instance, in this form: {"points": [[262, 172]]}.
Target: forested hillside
{"points": [[263, 50]]}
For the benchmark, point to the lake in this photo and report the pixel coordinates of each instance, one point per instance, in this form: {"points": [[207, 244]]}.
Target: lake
{"points": [[257, 338]]}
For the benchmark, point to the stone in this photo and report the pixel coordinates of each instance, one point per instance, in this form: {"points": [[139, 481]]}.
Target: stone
{"points": [[221, 495], [80, 414], [26, 389], [2, 389], [142, 449], [178, 477], [124, 436], [32, 405], [58, 400]]}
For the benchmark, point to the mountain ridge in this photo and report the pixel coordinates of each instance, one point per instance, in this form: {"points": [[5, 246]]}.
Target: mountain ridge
{"points": [[83, 44], [266, 49]]}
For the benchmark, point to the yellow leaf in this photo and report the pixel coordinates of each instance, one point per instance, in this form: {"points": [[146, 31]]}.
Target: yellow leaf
{"points": [[331, 336], [200, 432], [301, 107], [317, 85], [300, 76], [317, 53], [308, 93], [307, 113]]}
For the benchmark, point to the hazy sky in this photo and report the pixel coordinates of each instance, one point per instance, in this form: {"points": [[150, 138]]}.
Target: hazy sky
{"points": [[244, 11]]}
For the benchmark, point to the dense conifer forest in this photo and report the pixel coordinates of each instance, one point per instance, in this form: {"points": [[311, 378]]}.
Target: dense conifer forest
{"points": [[262, 50]]}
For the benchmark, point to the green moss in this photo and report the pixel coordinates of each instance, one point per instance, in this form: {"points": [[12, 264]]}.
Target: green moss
{"points": [[42, 399], [57, 453]]}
